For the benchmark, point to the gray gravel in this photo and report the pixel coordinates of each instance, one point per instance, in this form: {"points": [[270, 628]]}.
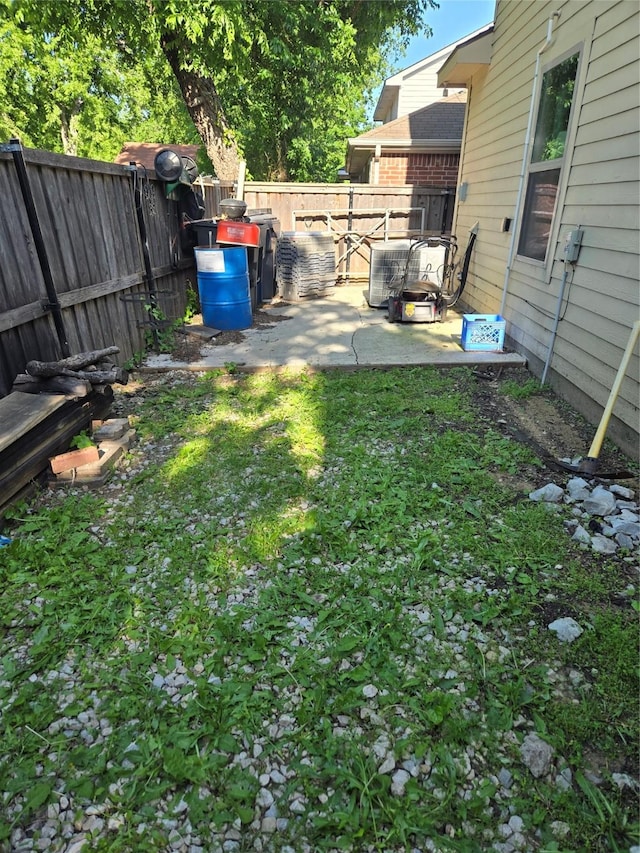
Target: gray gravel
{"points": [[69, 825]]}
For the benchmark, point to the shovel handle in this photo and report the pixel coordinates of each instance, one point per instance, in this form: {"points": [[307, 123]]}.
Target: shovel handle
{"points": [[596, 444]]}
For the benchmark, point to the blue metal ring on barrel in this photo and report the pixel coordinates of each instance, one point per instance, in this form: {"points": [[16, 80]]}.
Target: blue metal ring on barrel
{"points": [[223, 285]]}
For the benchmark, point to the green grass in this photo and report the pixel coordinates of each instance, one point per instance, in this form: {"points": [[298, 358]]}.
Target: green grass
{"points": [[290, 542], [521, 391]]}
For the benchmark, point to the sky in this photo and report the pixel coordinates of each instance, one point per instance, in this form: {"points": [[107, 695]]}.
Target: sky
{"points": [[453, 20], [450, 22]]}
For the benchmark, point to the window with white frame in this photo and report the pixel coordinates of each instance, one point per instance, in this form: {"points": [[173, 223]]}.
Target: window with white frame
{"points": [[547, 157]]}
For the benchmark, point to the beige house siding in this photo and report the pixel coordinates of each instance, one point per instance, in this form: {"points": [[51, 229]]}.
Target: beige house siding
{"points": [[416, 87], [421, 88], [599, 191]]}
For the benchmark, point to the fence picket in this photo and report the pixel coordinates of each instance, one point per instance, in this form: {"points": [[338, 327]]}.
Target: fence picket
{"points": [[87, 216]]}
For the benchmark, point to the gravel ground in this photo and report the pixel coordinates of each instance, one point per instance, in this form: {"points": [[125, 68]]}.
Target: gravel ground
{"points": [[286, 790]]}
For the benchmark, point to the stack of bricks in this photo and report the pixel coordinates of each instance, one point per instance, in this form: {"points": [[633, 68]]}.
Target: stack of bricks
{"points": [[91, 466]]}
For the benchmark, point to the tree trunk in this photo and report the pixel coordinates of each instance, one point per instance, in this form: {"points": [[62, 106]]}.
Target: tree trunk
{"points": [[69, 127], [206, 111]]}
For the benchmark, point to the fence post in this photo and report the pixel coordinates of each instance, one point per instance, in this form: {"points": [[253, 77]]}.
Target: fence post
{"points": [[53, 305], [148, 271], [348, 234]]}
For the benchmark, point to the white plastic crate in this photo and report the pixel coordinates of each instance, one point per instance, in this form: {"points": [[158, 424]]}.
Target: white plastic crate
{"points": [[483, 332]]}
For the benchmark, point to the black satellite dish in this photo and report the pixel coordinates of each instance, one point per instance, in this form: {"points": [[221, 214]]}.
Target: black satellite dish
{"points": [[168, 165]]}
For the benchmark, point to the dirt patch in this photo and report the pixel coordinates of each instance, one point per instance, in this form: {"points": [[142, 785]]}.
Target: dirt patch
{"points": [[549, 426], [188, 347]]}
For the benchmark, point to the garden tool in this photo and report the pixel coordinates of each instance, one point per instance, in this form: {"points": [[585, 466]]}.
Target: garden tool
{"points": [[589, 465]]}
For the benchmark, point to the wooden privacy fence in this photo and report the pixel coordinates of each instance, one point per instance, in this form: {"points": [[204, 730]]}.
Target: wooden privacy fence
{"points": [[356, 214], [74, 273], [87, 248]]}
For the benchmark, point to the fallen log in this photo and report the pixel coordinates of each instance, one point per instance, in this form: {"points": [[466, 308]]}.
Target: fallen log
{"points": [[95, 377], [66, 385], [74, 362]]}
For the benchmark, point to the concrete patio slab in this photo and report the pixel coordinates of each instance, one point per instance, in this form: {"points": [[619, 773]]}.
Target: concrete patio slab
{"points": [[337, 330]]}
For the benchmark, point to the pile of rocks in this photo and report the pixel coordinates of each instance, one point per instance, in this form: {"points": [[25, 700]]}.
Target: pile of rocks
{"points": [[606, 518]]}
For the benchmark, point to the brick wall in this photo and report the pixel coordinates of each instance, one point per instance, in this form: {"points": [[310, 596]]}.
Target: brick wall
{"points": [[439, 170]]}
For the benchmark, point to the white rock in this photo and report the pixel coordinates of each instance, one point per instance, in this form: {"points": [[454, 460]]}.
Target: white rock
{"points": [[411, 766], [625, 541], [622, 491], [575, 484], [563, 779], [93, 824], [370, 690], [566, 628], [398, 782], [630, 528], [264, 799], [623, 780], [381, 746], [601, 502], [505, 778], [537, 755], [601, 545], [582, 535], [516, 823], [621, 517], [549, 493], [268, 824], [77, 846], [387, 765], [504, 830], [575, 494], [560, 829], [180, 807]]}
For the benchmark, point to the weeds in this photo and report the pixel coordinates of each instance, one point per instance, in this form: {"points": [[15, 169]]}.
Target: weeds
{"points": [[522, 391], [313, 586]]}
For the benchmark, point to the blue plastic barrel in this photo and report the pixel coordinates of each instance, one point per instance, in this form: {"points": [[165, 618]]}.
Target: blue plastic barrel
{"points": [[223, 285]]}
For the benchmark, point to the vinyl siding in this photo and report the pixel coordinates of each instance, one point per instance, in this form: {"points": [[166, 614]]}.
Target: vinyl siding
{"points": [[599, 190], [421, 89], [417, 89]]}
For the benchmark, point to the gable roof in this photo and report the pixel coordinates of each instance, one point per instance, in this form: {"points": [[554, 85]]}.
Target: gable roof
{"points": [[440, 121], [468, 57], [393, 84], [144, 153], [437, 127]]}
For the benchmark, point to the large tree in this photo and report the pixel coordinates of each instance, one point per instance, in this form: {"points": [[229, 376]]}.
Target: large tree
{"points": [[276, 78], [76, 93]]}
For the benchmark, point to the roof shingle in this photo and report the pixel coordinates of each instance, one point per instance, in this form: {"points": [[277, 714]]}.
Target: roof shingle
{"points": [[442, 120]]}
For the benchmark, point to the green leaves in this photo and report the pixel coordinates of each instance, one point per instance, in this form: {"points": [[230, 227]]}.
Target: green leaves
{"points": [[37, 795], [288, 80]]}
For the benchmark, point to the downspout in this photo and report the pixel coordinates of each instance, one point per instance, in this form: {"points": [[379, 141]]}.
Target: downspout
{"points": [[525, 159]]}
